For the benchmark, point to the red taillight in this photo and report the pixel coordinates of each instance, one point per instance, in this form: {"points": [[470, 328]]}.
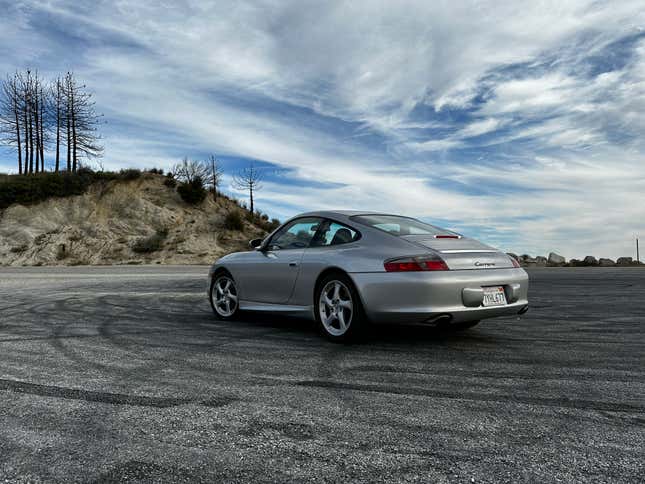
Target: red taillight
{"points": [[447, 236], [515, 262], [436, 265], [410, 264], [402, 266]]}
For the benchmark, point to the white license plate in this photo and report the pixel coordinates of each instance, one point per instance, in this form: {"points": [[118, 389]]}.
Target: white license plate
{"points": [[494, 296]]}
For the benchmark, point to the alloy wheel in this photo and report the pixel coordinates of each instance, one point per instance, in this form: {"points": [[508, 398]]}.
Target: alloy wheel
{"points": [[224, 295], [336, 307]]}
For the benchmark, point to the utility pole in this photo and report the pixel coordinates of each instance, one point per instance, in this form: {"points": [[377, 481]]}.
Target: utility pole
{"points": [[638, 256]]}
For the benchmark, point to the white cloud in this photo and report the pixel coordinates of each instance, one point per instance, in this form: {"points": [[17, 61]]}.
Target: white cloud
{"points": [[215, 76]]}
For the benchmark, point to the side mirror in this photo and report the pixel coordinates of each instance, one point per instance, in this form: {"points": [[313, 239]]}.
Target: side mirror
{"points": [[255, 243]]}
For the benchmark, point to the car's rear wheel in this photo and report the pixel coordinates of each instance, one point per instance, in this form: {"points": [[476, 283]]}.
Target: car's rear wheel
{"points": [[338, 308], [224, 297]]}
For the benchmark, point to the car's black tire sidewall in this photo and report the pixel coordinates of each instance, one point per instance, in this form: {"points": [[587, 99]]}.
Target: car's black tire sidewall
{"points": [[236, 313], [358, 323]]}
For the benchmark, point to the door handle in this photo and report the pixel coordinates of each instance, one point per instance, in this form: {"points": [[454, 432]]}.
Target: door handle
{"points": [[293, 264]]}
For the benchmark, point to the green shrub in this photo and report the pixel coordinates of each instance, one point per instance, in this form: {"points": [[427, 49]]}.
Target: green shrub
{"points": [[27, 189], [274, 224], [152, 243], [192, 192], [61, 252], [130, 174], [266, 225], [233, 221]]}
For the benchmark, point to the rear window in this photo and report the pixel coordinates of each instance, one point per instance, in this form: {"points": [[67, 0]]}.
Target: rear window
{"points": [[397, 225]]}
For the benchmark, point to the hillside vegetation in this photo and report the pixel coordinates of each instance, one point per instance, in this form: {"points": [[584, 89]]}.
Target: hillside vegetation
{"points": [[117, 219]]}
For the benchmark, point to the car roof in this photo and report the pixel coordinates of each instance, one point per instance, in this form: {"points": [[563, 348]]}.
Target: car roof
{"points": [[336, 213]]}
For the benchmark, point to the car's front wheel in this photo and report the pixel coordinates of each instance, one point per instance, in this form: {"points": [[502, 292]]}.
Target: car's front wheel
{"points": [[338, 308], [224, 297]]}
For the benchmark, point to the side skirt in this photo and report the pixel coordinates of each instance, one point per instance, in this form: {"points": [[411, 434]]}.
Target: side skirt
{"points": [[277, 308]]}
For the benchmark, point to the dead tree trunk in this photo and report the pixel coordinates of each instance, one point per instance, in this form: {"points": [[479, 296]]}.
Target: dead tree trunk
{"points": [[31, 139], [43, 101], [36, 110], [25, 119], [17, 121], [10, 115], [74, 143], [69, 136], [249, 179], [57, 101]]}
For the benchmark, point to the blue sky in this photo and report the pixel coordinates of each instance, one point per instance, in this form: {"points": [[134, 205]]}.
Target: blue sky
{"points": [[519, 123]]}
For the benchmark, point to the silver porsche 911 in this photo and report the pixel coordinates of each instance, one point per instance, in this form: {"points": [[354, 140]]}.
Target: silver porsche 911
{"points": [[348, 269]]}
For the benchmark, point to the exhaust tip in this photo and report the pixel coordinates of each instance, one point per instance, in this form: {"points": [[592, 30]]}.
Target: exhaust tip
{"points": [[439, 320], [523, 310]]}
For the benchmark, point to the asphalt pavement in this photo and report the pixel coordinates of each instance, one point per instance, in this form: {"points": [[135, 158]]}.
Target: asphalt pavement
{"points": [[122, 373]]}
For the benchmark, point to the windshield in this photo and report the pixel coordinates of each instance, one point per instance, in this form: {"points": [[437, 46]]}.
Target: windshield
{"points": [[397, 225]]}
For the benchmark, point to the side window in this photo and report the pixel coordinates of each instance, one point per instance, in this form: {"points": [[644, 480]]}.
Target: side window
{"points": [[296, 235], [334, 233]]}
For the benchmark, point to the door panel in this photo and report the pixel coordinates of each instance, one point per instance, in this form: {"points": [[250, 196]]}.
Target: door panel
{"points": [[270, 279], [272, 274]]}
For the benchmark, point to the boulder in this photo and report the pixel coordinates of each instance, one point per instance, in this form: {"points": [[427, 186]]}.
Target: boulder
{"points": [[606, 262], [540, 261], [624, 261], [556, 259], [590, 260], [575, 263], [527, 260]]}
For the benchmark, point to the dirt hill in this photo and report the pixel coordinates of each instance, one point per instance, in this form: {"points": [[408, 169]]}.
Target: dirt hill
{"points": [[140, 221]]}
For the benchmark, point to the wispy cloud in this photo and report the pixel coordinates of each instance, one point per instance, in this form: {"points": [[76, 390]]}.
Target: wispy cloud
{"points": [[526, 119]]}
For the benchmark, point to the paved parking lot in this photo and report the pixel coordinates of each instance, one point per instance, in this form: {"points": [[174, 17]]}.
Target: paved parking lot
{"points": [[115, 373]]}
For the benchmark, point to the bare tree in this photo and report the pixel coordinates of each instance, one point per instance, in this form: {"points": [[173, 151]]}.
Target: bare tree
{"points": [[28, 100], [32, 106], [24, 95], [38, 102], [249, 179], [82, 123], [44, 117], [57, 94], [216, 173], [30, 114], [191, 171], [10, 119]]}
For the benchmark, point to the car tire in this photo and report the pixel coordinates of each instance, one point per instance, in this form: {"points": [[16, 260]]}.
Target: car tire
{"points": [[338, 309], [223, 296]]}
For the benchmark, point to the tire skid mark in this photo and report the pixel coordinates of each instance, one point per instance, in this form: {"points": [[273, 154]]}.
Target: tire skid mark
{"points": [[578, 404], [108, 397], [493, 374], [82, 336]]}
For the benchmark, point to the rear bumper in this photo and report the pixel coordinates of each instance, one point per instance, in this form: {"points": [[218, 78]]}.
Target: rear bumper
{"points": [[419, 297]]}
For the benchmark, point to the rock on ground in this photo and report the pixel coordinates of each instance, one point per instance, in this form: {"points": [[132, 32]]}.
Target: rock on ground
{"points": [[556, 259]]}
